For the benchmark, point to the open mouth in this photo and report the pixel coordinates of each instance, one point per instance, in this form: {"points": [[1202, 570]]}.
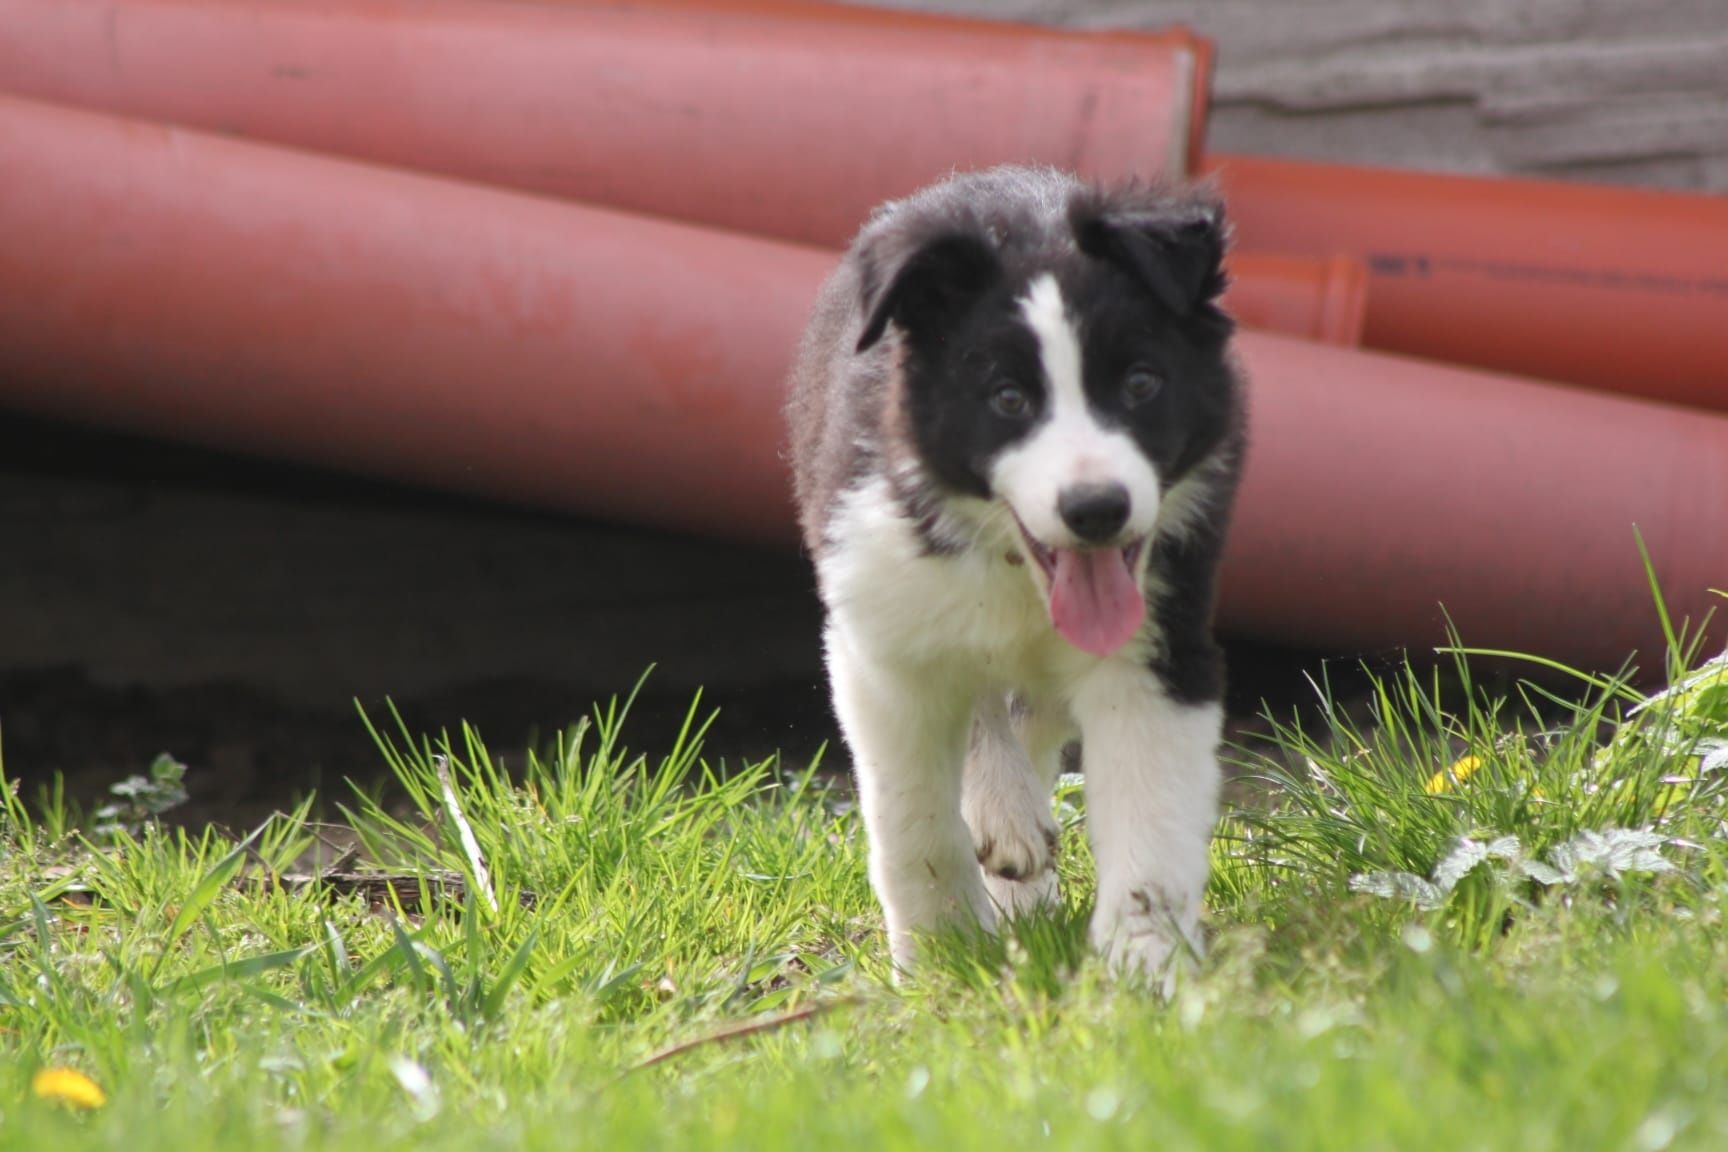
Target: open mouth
{"points": [[1093, 595]]}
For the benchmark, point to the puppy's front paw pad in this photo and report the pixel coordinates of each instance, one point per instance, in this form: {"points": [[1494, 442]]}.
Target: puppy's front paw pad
{"points": [[1022, 851]]}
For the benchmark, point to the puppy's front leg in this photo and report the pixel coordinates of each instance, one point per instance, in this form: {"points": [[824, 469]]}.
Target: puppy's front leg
{"points": [[907, 729], [1010, 772], [1152, 781]]}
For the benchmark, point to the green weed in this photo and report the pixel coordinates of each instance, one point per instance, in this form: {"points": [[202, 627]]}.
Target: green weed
{"points": [[1450, 927]]}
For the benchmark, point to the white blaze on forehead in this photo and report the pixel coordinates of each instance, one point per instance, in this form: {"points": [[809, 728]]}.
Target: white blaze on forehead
{"points": [[1058, 346], [1068, 445]]}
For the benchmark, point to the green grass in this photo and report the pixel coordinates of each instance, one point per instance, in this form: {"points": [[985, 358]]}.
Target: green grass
{"points": [[1387, 968]]}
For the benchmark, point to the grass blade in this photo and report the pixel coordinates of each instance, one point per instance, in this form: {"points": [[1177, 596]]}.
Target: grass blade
{"points": [[240, 969], [206, 891], [410, 957], [512, 972], [339, 962]]}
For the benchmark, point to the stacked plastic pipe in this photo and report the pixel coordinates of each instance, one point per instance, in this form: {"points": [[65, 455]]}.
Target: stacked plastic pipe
{"points": [[560, 253]]}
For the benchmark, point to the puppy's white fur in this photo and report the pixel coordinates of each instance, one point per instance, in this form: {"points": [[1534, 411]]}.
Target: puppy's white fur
{"points": [[1070, 447], [924, 652]]}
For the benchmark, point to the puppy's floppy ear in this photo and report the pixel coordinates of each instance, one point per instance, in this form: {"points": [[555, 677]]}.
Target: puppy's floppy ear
{"points": [[921, 277], [1174, 247]]}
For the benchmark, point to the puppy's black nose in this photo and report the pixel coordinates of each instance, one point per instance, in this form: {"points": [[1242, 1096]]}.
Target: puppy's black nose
{"points": [[1094, 512]]}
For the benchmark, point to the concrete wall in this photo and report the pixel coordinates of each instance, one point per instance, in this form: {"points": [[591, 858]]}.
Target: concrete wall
{"points": [[1623, 91]]}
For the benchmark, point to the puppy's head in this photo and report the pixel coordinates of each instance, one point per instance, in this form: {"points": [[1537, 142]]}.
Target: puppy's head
{"points": [[1068, 366]]}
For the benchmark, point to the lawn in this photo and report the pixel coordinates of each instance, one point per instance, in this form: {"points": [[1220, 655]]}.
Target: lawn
{"points": [[1454, 929]]}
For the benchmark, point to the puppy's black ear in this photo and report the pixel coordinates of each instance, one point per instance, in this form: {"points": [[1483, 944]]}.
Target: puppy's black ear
{"points": [[922, 278], [1176, 249]]}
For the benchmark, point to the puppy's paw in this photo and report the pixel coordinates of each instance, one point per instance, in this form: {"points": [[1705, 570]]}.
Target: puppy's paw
{"points": [[1014, 898], [1017, 846], [1142, 935]]}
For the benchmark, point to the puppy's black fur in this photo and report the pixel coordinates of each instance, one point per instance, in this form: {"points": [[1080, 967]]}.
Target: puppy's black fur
{"points": [[921, 323]]}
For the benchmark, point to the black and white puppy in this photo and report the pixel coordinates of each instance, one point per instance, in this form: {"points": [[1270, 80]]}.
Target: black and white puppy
{"points": [[1016, 432]]}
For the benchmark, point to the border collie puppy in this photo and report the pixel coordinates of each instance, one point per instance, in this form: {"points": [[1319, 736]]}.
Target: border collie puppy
{"points": [[1016, 432]]}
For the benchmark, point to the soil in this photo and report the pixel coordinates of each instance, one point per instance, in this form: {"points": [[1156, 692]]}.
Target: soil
{"points": [[160, 599]]}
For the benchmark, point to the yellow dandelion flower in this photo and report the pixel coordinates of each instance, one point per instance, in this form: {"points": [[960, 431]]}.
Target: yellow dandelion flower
{"points": [[68, 1086], [1459, 772]]}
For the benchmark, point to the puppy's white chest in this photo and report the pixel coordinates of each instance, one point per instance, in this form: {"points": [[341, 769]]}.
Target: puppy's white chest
{"points": [[896, 599]]}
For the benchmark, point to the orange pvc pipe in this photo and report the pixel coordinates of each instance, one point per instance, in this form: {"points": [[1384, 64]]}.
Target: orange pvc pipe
{"points": [[1325, 300], [522, 98], [1379, 488], [295, 305], [789, 121], [1614, 288], [291, 305]]}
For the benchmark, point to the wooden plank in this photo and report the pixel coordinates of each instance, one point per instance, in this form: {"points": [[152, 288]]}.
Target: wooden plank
{"points": [[1630, 92]]}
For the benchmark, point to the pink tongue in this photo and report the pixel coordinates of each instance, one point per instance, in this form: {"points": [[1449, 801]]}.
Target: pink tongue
{"points": [[1094, 601]]}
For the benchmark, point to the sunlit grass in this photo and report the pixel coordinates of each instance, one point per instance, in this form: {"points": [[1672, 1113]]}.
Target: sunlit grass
{"points": [[602, 948]]}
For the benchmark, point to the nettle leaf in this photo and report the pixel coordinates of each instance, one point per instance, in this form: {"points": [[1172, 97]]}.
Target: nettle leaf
{"points": [[1712, 755], [1542, 873], [1612, 852], [1703, 694], [1711, 703], [1399, 886], [1467, 854]]}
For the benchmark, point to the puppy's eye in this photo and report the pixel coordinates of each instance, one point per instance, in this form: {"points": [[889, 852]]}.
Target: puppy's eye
{"points": [[1142, 385], [1011, 401]]}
